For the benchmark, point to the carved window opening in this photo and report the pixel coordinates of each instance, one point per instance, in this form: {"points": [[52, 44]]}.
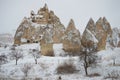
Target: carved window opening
{"points": [[28, 41]]}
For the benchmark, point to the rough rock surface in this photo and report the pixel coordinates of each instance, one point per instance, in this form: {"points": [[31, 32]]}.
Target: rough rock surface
{"points": [[97, 34], [44, 27], [71, 38], [88, 37], [37, 25], [103, 33]]}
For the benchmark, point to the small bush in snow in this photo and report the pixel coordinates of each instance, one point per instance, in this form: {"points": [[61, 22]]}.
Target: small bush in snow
{"points": [[3, 59], [38, 79], [12, 47], [66, 68], [114, 75], [25, 69], [94, 75], [5, 46]]}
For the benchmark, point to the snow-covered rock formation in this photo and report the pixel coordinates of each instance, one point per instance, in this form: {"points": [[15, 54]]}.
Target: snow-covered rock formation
{"points": [[45, 27], [43, 24], [97, 34], [88, 37]]}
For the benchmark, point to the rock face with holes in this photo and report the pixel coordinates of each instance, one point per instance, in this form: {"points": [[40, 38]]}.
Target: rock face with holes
{"points": [[44, 27], [98, 34], [71, 38], [37, 25]]}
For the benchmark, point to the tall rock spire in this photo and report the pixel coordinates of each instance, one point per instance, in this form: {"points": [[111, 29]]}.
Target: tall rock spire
{"points": [[71, 25], [71, 42], [103, 33], [99, 33], [88, 37], [91, 25]]}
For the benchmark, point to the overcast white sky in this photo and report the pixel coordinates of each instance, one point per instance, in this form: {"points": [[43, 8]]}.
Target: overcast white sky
{"points": [[13, 11]]}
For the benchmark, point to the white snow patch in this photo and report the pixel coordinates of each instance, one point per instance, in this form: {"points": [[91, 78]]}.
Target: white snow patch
{"points": [[29, 46], [92, 37], [46, 67], [23, 40], [58, 49], [19, 34]]}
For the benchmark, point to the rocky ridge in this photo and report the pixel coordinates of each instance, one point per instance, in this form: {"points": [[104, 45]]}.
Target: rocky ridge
{"points": [[98, 34], [45, 27]]}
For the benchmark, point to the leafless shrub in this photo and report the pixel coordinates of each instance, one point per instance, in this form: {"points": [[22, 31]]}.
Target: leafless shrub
{"points": [[12, 47], [26, 68], [36, 54], [66, 68], [3, 58], [94, 75], [114, 75]]}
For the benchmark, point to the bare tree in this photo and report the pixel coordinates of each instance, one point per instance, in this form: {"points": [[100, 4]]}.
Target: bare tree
{"points": [[88, 57], [16, 54], [25, 69], [36, 54]]}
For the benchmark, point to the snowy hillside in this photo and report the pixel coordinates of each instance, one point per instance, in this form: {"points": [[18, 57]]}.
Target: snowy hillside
{"points": [[46, 68]]}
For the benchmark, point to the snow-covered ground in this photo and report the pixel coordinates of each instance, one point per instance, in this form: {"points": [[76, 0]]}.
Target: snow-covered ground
{"points": [[46, 67]]}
